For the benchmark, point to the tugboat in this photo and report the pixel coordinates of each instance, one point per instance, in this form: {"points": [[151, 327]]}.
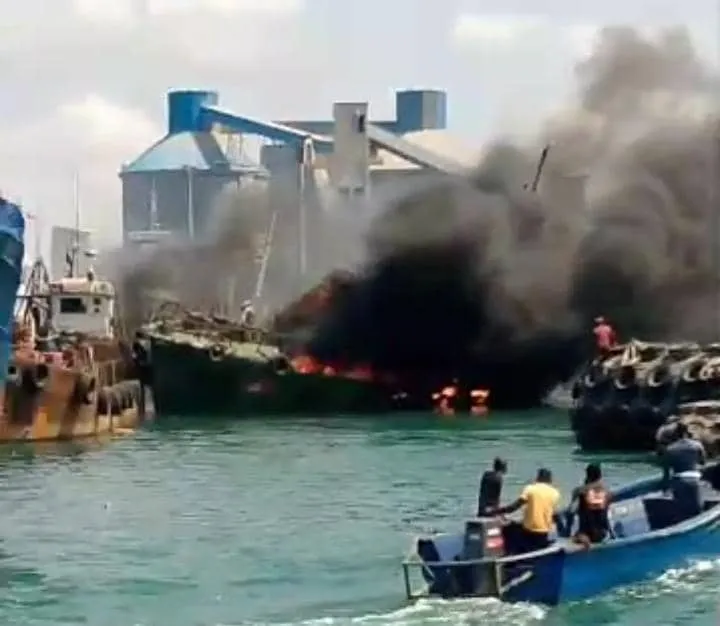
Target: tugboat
{"points": [[69, 376]]}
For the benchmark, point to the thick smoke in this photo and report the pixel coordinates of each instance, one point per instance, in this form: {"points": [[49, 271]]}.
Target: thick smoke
{"points": [[480, 277], [215, 273], [249, 251]]}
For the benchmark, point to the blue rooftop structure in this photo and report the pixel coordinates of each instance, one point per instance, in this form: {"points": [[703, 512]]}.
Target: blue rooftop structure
{"points": [[189, 142], [174, 184], [192, 114], [196, 150]]}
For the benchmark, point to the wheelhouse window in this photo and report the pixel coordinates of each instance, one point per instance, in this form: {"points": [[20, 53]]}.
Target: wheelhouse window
{"points": [[72, 305]]}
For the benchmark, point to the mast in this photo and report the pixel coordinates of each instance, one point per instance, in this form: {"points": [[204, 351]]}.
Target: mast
{"points": [[76, 244]]}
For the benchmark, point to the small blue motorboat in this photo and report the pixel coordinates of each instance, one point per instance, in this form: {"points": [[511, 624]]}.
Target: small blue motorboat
{"points": [[647, 539]]}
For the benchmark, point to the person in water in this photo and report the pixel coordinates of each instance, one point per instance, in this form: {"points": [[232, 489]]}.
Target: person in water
{"points": [[540, 500], [681, 462], [491, 485], [593, 502]]}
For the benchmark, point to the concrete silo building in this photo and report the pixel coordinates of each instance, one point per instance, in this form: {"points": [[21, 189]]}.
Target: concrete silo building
{"points": [[315, 171], [173, 187]]}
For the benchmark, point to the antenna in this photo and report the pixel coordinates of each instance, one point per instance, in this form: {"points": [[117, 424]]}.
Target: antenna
{"points": [[33, 217], [540, 167]]}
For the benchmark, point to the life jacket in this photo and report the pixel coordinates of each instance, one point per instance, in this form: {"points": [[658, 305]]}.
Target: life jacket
{"points": [[596, 498], [593, 512]]}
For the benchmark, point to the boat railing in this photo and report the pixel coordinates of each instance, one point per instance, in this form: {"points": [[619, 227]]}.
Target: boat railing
{"points": [[413, 562]]}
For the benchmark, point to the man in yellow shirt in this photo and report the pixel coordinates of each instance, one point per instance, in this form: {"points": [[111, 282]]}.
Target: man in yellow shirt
{"points": [[540, 500]]}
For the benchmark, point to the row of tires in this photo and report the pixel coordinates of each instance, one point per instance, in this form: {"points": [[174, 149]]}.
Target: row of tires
{"points": [[118, 398], [621, 402], [112, 400], [31, 378]]}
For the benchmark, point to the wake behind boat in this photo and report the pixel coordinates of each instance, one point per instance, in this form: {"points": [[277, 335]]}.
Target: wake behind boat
{"points": [[649, 537], [12, 250]]}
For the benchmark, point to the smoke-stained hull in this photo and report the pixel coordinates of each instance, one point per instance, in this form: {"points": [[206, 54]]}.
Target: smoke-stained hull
{"points": [[212, 367], [623, 399]]}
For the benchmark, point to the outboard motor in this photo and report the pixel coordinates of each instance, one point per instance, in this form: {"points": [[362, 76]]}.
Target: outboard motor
{"points": [[483, 540]]}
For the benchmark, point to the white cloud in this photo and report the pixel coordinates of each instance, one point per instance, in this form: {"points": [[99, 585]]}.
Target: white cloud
{"points": [[581, 39], [88, 78], [528, 33], [104, 124], [89, 86], [471, 29], [104, 10], [133, 10], [90, 137]]}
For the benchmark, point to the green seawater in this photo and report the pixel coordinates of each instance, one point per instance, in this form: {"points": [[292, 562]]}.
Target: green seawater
{"points": [[285, 522]]}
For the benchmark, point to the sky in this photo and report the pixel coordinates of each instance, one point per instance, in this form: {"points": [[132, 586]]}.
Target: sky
{"points": [[84, 81]]}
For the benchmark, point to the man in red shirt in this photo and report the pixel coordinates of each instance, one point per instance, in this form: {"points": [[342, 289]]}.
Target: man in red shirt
{"points": [[605, 337]]}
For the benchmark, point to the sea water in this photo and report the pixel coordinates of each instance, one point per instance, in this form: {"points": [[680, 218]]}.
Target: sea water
{"points": [[278, 521]]}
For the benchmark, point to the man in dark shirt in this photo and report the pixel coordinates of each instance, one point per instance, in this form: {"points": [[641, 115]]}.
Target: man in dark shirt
{"points": [[681, 462], [593, 501], [491, 488]]}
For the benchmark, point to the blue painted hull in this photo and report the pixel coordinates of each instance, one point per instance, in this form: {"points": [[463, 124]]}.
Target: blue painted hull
{"points": [[649, 539], [12, 250], [562, 576]]}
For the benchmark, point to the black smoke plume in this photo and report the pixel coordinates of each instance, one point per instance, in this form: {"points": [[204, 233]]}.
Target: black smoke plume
{"points": [[215, 273], [480, 278]]}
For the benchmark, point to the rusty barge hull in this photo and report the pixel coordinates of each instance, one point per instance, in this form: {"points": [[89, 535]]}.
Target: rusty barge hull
{"points": [[51, 403]]}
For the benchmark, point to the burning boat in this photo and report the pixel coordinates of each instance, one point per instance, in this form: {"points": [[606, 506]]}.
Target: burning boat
{"points": [[69, 376], [621, 401], [205, 364]]}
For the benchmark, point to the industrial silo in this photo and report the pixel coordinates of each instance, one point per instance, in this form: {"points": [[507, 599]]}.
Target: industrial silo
{"points": [[172, 187]]}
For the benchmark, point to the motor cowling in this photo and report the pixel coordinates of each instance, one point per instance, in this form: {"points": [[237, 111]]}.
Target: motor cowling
{"points": [[483, 540]]}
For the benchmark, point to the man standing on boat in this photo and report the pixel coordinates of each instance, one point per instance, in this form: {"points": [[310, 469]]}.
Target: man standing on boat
{"points": [[540, 499], [491, 485], [681, 462]]}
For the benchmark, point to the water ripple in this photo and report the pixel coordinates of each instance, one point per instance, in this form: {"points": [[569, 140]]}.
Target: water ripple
{"points": [[281, 522]]}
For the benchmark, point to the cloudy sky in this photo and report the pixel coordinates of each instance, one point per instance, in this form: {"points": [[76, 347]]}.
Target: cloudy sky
{"points": [[84, 81]]}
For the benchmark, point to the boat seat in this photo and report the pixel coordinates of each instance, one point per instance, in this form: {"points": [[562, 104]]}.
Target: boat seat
{"points": [[438, 577], [442, 548], [661, 512], [629, 519]]}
